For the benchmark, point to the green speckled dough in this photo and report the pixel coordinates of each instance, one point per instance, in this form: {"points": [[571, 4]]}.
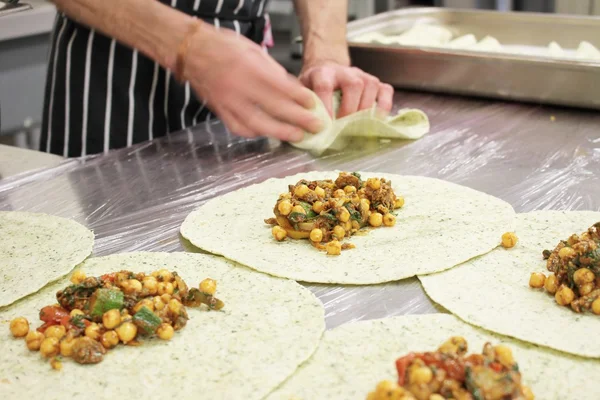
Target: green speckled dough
{"points": [[441, 225], [493, 291], [353, 358], [36, 249], [268, 327]]}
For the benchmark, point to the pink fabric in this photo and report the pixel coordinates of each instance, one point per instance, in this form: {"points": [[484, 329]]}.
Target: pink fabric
{"points": [[267, 34]]}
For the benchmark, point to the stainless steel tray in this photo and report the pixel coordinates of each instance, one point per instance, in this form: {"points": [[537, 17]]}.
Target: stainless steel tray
{"points": [[531, 78]]}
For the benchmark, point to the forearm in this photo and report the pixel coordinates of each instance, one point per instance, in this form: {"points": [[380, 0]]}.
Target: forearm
{"points": [[323, 25], [152, 28]]}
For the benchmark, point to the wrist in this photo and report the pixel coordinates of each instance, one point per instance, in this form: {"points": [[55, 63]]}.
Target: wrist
{"points": [[317, 51]]}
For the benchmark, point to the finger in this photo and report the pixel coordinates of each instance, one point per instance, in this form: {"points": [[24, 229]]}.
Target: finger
{"points": [[370, 92], [352, 87], [263, 124], [288, 111], [322, 82], [236, 126], [385, 97], [286, 85]]}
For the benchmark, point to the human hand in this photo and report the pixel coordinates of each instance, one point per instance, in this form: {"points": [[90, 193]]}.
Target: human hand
{"points": [[359, 89], [247, 89]]}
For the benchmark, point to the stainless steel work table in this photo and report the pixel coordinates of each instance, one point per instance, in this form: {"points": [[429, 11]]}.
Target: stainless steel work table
{"points": [[135, 199]]}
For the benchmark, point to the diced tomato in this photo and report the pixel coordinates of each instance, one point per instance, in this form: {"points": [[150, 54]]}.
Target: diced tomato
{"points": [[453, 368], [46, 325], [496, 366], [53, 314], [475, 359], [109, 277], [402, 365]]}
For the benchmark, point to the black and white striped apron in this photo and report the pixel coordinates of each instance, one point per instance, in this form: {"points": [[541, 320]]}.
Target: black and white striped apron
{"points": [[101, 95]]}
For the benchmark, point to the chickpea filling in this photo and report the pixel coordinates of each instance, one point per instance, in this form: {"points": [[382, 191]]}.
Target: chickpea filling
{"points": [[327, 212], [449, 373], [96, 314], [574, 267]]}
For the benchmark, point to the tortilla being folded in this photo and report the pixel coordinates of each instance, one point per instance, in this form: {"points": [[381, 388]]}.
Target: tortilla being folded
{"points": [[406, 124]]}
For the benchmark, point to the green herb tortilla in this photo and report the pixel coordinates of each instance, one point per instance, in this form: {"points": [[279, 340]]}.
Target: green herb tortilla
{"points": [[353, 358], [36, 249], [493, 291], [440, 225], [267, 328]]}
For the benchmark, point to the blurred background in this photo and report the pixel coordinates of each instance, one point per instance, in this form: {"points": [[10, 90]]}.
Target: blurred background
{"points": [[25, 29]]}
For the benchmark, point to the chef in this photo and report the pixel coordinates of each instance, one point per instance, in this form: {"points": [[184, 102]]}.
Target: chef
{"points": [[124, 71]]}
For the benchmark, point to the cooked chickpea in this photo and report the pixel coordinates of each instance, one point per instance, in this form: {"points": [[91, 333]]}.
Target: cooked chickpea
{"points": [[93, 331], [504, 355], [420, 375], [347, 226], [112, 318], [165, 331], [132, 286], [284, 207], [55, 331], [165, 287], [109, 339], [299, 209], [126, 332], [149, 303], [375, 219], [150, 285], [339, 193], [399, 203], [49, 347], [374, 183], [334, 248], [175, 306], [208, 286], [583, 275], [166, 297], [586, 289], [436, 396], [596, 306], [365, 204], [509, 240], [319, 191], [78, 277], [350, 189], [56, 364], [158, 303], [316, 235], [551, 284], [19, 327], [164, 275], [566, 252], [34, 340], [564, 295], [389, 219], [317, 206], [75, 312], [385, 386], [344, 215], [66, 347], [537, 280], [355, 225], [339, 232], [528, 393], [278, 233], [301, 190]]}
